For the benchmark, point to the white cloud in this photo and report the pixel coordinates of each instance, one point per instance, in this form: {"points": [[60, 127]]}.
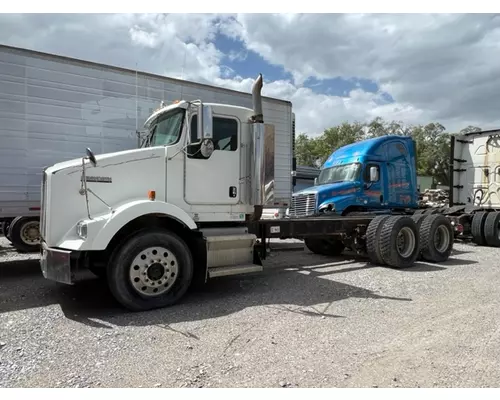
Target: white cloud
{"points": [[436, 67]]}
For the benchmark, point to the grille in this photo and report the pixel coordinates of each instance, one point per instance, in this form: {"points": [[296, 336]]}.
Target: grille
{"points": [[303, 205]]}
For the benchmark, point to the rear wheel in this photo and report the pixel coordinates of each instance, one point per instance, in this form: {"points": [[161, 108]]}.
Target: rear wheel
{"points": [[492, 229], [399, 242], [477, 228], [24, 233], [436, 238], [153, 269], [325, 246], [373, 239]]}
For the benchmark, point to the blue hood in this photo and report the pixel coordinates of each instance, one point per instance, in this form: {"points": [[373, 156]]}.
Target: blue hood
{"points": [[330, 189], [333, 192]]}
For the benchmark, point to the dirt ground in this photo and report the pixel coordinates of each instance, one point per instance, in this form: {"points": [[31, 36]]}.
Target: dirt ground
{"points": [[307, 321]]}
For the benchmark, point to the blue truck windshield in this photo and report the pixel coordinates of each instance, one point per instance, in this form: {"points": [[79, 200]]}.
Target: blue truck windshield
{"points": [[340, 173]]}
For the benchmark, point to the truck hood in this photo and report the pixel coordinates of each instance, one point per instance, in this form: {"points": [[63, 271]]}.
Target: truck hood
{"points": [[77, 162], [337, 194], [118, 178], [331, 189]]}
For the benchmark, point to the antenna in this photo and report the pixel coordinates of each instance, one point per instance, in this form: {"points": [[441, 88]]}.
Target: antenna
{"points": [[137, 106], [136, 99]]}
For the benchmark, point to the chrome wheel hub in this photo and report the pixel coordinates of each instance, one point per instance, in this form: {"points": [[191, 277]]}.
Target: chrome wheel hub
{"points": [[441, 239], [405, 242], [153, 271]]}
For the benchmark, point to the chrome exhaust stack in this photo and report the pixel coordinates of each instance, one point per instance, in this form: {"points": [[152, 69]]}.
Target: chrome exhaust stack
{"points": [[258, 141]]}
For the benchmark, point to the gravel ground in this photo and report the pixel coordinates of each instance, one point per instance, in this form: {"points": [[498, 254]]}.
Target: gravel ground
{"points": [[308, 321]]}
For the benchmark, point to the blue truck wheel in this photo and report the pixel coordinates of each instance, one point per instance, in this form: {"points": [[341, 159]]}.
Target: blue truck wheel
{"points": [[436, 238], [399, 242], [373, 239]]}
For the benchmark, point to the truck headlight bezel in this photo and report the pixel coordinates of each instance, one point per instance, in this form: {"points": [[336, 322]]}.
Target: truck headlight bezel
{"points": [[327, 208], [82, 229]]}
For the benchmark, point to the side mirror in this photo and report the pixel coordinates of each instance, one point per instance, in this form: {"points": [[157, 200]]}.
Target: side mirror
{"points": [[315, 181], [91, 157], [373, 174], [205, 123]]}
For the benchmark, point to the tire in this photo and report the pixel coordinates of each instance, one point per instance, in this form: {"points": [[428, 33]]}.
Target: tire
{"points": [[325, 247], [373, 239], [436, 238], [492, 229], [136, 291], [24, 234], [392, 255], [477, 228]]}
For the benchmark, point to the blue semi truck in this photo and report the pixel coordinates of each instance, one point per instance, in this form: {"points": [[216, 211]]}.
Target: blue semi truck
{"points": [[366, 199], [377, 175]]}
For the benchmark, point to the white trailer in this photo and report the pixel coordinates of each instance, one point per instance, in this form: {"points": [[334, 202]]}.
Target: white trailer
{"points": [[51, 107]]}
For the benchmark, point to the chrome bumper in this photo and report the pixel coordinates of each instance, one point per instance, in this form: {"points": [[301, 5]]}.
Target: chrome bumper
{"points": [[56, 264]]}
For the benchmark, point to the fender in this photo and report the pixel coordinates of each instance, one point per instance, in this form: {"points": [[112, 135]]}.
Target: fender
{"points": [[130, 211]]}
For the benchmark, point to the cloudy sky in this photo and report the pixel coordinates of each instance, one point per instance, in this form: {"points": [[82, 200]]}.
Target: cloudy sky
{"points": [[413, 68]]}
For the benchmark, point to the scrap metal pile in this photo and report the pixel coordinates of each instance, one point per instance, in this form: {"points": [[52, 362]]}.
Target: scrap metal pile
{"points": [[434, 198]]}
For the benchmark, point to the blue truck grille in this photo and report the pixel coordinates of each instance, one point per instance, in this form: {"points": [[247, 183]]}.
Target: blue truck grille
{"points": [[303, 205]]}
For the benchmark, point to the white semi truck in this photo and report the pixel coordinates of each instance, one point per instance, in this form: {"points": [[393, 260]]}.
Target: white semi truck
{"points": [[474, 205], [148, 217], [51, 107]]}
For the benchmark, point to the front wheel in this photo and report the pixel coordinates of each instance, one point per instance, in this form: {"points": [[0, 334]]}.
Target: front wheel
{"points": [[153, 269]]}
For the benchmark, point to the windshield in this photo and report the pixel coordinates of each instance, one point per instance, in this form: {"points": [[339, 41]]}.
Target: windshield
{"points": [[167, 129], [340, 173]]}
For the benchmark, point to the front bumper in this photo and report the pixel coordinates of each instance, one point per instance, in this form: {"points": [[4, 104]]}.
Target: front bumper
{"points": [[58, 265]]}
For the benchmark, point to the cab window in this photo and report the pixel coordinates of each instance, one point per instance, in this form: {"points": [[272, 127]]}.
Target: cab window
{"points": [[167, 129], [225, 133]]}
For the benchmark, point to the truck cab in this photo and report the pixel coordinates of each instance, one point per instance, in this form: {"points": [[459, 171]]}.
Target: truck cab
{"points": [[373, 175]]}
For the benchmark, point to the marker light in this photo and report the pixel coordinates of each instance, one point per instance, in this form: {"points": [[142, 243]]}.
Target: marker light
{"points": [[152, 195]]}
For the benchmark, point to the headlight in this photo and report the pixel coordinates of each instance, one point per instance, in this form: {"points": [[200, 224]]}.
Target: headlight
{"points": [[81, 229], [330, 207]]}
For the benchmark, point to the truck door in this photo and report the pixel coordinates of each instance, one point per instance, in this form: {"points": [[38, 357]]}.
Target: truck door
{"points": [[374, 192], [215, 180]]}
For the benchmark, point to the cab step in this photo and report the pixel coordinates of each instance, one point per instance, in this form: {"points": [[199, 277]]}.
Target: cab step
{"points": [[216, 272]]}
